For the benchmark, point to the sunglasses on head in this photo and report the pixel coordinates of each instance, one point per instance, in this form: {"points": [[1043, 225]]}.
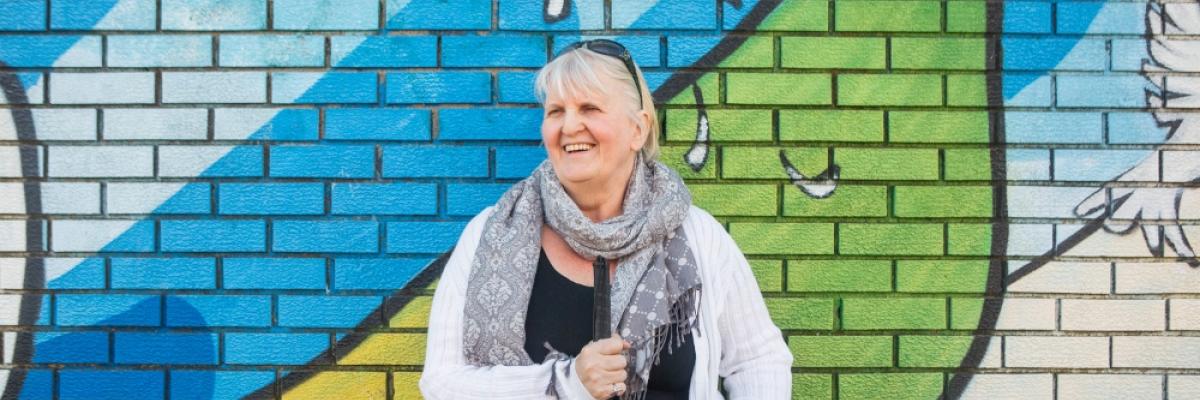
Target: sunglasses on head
{"points": [[612, 49]]}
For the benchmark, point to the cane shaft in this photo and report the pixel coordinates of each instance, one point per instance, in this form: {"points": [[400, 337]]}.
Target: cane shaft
{"points": [[601, 315]]}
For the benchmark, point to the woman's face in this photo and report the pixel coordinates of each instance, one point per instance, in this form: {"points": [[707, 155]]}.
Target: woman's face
{"points": [[591, 139]]}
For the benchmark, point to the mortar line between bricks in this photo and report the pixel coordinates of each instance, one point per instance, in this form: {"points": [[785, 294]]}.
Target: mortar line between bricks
{"points": [[216, 51], [158, 83], [943, 17], [390, 381], [46, 88], [607, 15], [99, 124], [1054, 385], [111, 337], [887, 54], [381, 19], [836, 382], [270, 15], [1112, 278], [1110, 352], [831, 10], [210, 128], [719, 16], [1058, 314]]}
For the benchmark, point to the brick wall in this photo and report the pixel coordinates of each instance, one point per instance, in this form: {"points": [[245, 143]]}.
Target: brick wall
{"points": [[968, 199]]}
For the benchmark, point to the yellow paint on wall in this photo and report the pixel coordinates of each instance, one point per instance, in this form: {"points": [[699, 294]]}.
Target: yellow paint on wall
{"points": [[388, 349], [341, 385], [415, 314], [404, 385]]}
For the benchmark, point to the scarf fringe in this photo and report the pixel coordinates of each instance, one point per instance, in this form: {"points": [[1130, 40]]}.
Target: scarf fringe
{"points": [[555, 356], [685, 315]]}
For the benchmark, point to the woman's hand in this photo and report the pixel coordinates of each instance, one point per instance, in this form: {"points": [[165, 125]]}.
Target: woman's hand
{"points": [[601, 367]]}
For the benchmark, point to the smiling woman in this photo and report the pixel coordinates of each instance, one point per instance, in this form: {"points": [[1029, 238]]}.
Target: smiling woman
{"points": [[512, 312]]}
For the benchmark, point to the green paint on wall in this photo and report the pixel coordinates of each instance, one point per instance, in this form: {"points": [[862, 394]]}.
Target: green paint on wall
{"points": [[889, 313], [889, 90], [768, 274], [755, 52], [839, 275], [834, 52], [783, 238], [808, 314], [763, 162], [841, 351], [898, 386], [899, 239], [779, 88], [723, 125], [968, 164], [888, 16], [938, 53], [798, 15], [812, 386], [831, 125], [966, 16], [849, 200], [938, 126], [727, 199], [966, 90], [933, 351], [672, 156], [943, 201], [887, 164], [941, 276]]}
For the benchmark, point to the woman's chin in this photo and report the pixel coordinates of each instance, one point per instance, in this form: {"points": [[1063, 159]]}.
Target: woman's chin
{"points": [[575, 173]]}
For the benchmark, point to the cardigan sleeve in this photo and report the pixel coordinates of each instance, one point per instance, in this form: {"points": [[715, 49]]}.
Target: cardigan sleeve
{"points": [[447, 375], [755, 361]]}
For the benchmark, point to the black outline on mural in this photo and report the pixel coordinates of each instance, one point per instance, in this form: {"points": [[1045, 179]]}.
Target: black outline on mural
{"points": [[669, 89], [564, 11], [34, 276], [699, 147], [811, 186], [391, 306], [998, 281], [990, 313], [728, 44]]}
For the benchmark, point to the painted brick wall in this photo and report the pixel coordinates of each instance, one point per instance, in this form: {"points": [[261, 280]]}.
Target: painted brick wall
{"points": [[940, 199]]}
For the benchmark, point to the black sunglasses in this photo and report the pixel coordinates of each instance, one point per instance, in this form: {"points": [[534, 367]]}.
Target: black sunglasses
{"points": [[612, 49]]}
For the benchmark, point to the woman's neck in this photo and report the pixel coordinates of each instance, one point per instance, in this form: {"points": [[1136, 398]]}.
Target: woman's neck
{"points": [[600, 200]]}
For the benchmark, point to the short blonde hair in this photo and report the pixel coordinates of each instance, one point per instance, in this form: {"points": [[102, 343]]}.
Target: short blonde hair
{"points": [[578, 72]]}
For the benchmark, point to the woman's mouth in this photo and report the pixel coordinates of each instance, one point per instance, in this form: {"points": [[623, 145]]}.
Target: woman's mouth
{"points": [[577, 148]]}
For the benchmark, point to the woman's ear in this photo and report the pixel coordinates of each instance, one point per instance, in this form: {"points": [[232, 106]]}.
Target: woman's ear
{"points": [[642, 123]]}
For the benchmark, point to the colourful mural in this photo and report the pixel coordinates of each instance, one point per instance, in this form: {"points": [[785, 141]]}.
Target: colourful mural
{"points": [[958, 199]]}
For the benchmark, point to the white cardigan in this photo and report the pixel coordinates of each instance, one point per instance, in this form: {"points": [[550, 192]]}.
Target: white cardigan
{"points": [[735, 337]]}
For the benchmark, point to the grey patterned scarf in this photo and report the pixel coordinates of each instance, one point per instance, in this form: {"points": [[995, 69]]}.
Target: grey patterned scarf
{"points": [[656, 290]]}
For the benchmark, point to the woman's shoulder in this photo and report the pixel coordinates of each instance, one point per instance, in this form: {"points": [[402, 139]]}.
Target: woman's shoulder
{"points": [[702, 223], [474, 227]]}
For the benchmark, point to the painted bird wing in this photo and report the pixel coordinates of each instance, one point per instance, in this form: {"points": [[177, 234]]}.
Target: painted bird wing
{"points": [[1157, 209]]}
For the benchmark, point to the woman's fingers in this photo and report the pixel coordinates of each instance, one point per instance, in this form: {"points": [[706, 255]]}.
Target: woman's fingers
{"points": [[600, 365], [609, 346]]}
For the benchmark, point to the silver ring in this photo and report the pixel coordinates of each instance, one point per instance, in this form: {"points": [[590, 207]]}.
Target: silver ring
{"points": [[617, 388]]}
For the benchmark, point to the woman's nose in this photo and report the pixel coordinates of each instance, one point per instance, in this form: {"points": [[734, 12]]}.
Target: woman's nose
{"points": [[572, 122]]}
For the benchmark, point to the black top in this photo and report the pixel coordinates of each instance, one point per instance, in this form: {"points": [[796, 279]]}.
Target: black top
{"points": [[560, 313]]}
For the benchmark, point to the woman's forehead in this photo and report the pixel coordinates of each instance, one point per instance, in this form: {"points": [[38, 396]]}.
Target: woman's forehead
{"points": [[576, 92]]}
